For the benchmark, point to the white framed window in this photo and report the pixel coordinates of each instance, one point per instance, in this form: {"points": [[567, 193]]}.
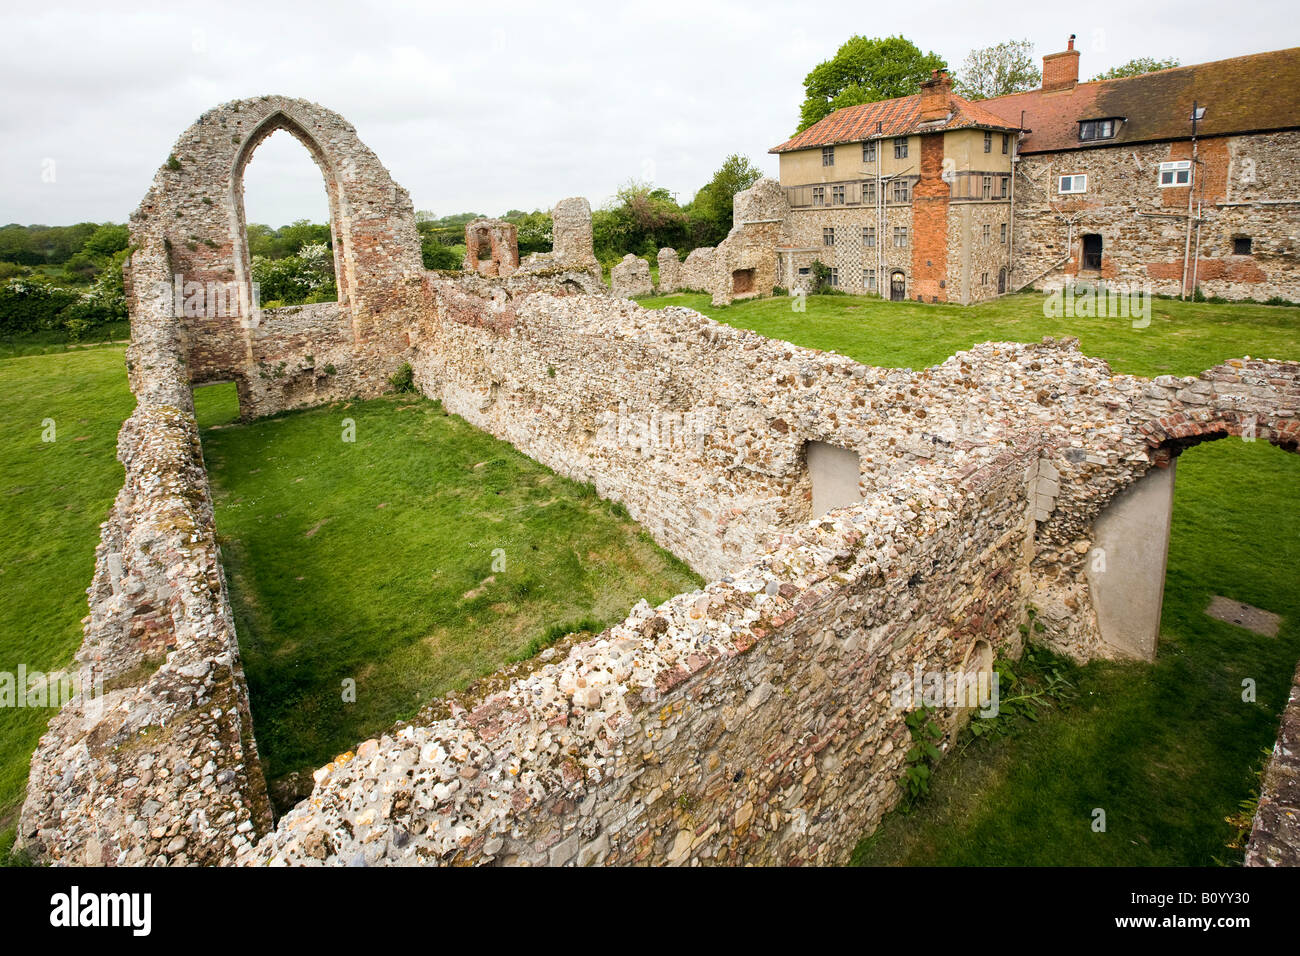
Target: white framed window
{"points": [[1078, 183], [869, 152], [1177, 173], [869, 279]]}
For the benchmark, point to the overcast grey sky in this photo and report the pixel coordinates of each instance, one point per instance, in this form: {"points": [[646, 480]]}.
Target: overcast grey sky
{"points": [[494, 105]]}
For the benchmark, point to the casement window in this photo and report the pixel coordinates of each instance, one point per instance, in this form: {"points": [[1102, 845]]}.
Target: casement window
{"points": [[988, 232], [988, 187], [869, 152], [900, 147], [898, 190], [1078, 183], [988, 142], [1005, 186], [828, 155], [1097, 129], [869, 279], [1006, 143], [900, 237], [835, 276], [869, 191], [819, 195], [1003, 233], [1241, 245], [1175, 174], [828, 236], [837, 195], [869, 236]]}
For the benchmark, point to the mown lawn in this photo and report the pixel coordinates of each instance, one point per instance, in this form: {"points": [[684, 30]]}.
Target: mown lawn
{"points": [[1184, 338], [1167, 750], [53, 497], [373, 561]]}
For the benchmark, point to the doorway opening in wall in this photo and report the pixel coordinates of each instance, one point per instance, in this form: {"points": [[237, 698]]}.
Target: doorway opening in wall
{"points": [[287, 223], [1091, 253], [742, 281], [1002, 281], [897, 286], [216, 403]]}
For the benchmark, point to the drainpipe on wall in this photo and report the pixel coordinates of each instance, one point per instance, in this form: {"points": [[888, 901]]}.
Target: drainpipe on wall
{"points": [[880, 215], [1196, 258], [1191, 185], [1011, 209]]}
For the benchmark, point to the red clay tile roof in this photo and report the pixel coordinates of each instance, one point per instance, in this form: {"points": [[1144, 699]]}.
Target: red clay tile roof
{"points": [[1241, 95], [897, 117]]}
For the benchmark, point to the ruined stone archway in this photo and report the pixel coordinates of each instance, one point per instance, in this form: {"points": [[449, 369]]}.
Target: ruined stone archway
{"points": [[339, 221], [189, 278]]}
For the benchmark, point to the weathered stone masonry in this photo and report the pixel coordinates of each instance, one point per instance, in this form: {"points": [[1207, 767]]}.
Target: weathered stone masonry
{"points": [[748, 722]]}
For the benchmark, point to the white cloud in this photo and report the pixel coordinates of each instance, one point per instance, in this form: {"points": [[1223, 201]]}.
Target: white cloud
{"points": [[503, 104]]}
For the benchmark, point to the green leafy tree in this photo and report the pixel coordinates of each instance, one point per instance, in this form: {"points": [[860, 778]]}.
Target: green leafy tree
{"points": [[865, 70], [997, 70], [1136, 67], [292, 280], [641, 219], [710, 212], [534, 230]]}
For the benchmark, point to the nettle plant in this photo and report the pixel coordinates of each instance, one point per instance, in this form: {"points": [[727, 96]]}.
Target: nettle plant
{"points": [[921, 756]]}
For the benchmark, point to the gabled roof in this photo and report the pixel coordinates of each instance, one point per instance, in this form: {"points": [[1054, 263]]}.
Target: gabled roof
{"points": [[896, 117], [1245, 94]]}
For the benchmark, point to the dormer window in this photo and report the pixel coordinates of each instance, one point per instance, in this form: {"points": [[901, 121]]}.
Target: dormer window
{"points": [[1090, 130]]}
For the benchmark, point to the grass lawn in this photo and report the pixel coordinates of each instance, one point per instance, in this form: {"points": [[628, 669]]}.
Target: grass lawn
{"points": [[50, 342], [1184, 338], [53, 497], [372, 561]]}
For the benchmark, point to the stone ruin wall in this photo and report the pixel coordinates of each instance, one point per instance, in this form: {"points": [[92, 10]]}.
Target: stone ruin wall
{"points": [[163, 767], [300, 355], [1275, 832], [747, 722]]}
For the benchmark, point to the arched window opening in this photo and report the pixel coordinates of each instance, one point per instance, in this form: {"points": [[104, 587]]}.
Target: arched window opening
{"points": [[289, 231]]}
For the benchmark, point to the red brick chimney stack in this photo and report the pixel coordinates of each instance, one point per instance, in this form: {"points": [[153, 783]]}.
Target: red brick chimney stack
{"points": [[934, 97], [1061, 70]]}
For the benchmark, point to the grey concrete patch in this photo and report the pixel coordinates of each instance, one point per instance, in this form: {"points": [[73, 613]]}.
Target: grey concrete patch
{"points": [[1244, 615]]}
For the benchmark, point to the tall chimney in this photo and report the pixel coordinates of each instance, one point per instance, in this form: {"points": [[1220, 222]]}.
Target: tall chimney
{"points": [[1061, 70], [934, 98]]}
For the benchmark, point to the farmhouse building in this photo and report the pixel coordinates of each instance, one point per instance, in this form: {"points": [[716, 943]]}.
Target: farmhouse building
{"points": [[1177, 180]]}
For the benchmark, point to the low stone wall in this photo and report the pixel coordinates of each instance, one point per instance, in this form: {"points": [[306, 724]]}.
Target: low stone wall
{"points": [[630, 277], [1275, 833]]}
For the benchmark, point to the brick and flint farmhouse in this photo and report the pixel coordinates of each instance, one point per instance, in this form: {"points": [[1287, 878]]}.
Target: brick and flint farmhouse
{"points": [[1178, 179]]}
